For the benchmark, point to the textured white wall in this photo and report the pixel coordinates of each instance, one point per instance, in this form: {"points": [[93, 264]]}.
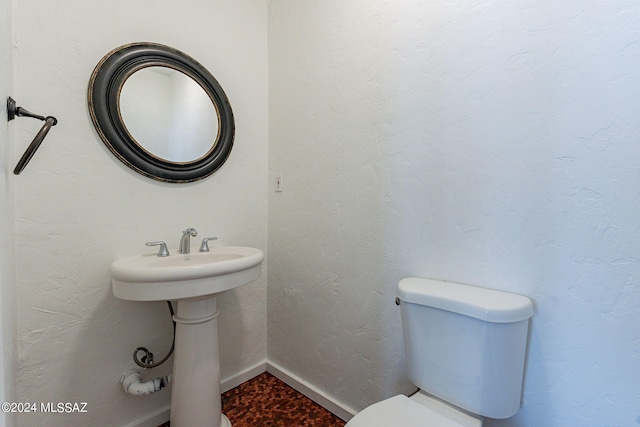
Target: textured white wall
{"points": [[8, 357], [493, 143], [78, 208]]}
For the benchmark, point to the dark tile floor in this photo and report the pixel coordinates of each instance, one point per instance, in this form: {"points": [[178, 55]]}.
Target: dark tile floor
{"points": [[265, 401]]}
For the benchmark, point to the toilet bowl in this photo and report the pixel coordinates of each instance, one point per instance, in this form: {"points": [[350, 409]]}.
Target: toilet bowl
{"points": [[419, 410], [465, 349]]}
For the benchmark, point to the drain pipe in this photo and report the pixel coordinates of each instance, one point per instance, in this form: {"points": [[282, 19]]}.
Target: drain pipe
{"points": [[132, 383]]}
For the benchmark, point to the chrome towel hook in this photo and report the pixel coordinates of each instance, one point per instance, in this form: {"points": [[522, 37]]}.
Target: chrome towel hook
{"points": [[49, 121]]}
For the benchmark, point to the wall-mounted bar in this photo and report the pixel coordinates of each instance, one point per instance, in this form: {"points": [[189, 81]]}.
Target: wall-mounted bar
{"points": [[49, 121]]}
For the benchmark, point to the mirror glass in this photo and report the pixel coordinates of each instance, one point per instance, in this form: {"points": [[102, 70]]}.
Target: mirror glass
{"points": [[161, 112], [169, 114]]}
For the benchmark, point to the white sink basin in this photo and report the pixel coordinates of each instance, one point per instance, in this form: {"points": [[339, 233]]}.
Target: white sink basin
{"points": [[183, 276]]}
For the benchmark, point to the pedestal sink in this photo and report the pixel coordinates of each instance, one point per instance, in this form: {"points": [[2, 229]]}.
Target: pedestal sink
{"points": [[193, 280]]}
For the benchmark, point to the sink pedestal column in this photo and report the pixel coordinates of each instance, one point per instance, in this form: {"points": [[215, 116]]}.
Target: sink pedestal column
{"points": [[195, 394]]}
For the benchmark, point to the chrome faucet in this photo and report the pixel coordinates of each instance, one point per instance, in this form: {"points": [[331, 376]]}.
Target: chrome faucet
{"points": [[185, 241]]}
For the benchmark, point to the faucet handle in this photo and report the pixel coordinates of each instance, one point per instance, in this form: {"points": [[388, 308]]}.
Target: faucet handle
{"points": [[163, 251], [204, 247]]}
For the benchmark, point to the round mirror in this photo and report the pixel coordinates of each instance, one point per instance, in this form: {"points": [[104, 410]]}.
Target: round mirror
{"points": [[169, 114], [161, 112]]}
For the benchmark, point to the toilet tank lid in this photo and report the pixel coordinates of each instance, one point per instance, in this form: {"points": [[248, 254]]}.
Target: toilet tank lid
{"points": [[485, 304]]}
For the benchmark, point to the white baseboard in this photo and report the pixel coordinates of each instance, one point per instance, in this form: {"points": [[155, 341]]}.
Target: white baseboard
{"points": [[320, 397], [155, 419], [235, 380]]}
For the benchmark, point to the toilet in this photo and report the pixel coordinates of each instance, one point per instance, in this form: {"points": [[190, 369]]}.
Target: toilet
{"points": [[465, 350]]}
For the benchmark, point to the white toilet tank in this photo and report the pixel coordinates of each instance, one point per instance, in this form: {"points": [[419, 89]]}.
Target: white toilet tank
{"points": [[464, 344]]}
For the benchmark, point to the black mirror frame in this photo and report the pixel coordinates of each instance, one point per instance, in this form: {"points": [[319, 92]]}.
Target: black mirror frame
{"points": [[104, 94]]}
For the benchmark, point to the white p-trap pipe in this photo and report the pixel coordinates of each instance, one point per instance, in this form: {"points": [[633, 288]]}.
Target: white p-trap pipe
{"points": [[132, 384]]}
